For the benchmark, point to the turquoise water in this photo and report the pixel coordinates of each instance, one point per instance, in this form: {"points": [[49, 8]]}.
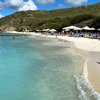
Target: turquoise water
{"points": [[38, 69]]}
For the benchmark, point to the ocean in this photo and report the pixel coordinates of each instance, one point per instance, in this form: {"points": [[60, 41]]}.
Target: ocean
{"points": [[41, 69]]}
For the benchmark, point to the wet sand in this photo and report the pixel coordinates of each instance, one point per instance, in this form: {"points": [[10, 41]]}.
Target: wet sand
{"points": [[93, 67]]}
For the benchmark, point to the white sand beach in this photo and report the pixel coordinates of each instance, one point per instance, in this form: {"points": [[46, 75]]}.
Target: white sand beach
{"points": [[79, 42], [89, 49], [84, 43]]}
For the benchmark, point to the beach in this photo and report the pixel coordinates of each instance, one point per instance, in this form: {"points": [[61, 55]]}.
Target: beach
{"points": [[90, 50], [93, 67], [87, 48]]}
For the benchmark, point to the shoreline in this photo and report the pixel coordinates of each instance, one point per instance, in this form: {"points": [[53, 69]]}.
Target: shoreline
{"points": [[88, 49], [90, 52]]}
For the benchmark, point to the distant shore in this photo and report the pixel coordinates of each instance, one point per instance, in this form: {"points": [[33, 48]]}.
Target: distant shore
{"points": [[88, 48]]}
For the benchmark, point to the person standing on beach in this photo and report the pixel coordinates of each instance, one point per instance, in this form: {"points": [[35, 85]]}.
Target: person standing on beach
{"points": [[56, 35]]}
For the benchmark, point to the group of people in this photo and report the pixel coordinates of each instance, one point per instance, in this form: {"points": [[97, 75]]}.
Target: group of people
{"points": [[86, 34], [93, 35]]}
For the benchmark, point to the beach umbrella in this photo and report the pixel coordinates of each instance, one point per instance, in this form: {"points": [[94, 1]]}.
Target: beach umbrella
{"points": [[77, 28], [37, 30], [86, 28], [72, 28], [45, 30], [52, 30], [92, 28], [98, 29], [66, 29]]}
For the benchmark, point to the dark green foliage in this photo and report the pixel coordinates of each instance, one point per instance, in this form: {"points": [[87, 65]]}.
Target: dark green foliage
{"points": [[80, 18], [96, 22]]}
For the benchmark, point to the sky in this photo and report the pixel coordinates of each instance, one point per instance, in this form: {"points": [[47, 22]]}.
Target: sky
{"points": [[8, 7]]}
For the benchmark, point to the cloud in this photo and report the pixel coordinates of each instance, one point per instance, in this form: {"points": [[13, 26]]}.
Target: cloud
{"points": [[29, 5], [1, 5], [46, 2], [1, 16], [75, 2], [21, 5], [60, 6], [13, 4]]}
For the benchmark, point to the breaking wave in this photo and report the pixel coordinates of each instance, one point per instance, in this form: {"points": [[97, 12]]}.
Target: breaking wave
{"points": [[86, 91]]}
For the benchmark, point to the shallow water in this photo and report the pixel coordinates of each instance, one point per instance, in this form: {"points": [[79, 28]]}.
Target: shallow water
{"points": [[39, 69]]}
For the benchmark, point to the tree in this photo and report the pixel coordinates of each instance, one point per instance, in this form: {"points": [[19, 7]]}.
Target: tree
{"points": [[96, 22]]}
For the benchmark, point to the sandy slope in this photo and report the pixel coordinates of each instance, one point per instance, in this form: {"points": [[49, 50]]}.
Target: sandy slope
{"points": [[84, 43]]}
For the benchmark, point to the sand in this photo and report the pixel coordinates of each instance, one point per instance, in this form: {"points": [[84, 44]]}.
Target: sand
{"points": [[93, 68], [84, 43], [90, 50]]}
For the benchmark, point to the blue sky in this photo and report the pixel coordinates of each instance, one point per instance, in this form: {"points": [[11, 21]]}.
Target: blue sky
{"points": [[8, 7]]}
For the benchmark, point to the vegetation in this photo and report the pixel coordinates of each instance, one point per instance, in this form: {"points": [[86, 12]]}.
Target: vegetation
{"points": [[96, 22], [57, 19]]}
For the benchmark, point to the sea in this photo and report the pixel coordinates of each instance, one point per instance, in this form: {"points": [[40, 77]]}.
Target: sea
{"points": [[42, 69]]}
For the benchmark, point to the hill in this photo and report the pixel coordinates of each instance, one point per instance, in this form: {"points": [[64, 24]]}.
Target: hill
{"points": [[33, 20]]}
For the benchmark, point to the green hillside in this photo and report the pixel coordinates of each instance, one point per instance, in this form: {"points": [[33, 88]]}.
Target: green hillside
{"points": [[33, 20]]}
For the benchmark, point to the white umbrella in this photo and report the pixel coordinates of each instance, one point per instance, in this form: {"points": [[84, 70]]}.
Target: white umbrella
{"points": [[52, 30], [45, 30], [66, 29], [86, 28], [92, 28], [98, 29], [37, 30], [78, 29], [72, 27]]}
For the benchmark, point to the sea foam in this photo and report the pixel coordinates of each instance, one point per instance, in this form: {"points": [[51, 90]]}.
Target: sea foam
{"points": [[86, 90]]}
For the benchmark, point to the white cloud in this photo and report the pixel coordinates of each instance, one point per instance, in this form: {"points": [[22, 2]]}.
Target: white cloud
{"points": [[1, 16], [1, 5], [29, 5], [21, 5], [14, 4], [60, 6], [45, 2], [76, 2]]}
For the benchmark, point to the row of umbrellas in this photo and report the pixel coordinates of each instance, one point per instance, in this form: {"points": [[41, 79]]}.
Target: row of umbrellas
{"points": [[48, 30], [70, 28], [78, 28]]}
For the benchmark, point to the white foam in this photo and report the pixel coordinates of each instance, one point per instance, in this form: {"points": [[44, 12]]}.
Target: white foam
{"points": [[85, 70], [84, 86]]}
